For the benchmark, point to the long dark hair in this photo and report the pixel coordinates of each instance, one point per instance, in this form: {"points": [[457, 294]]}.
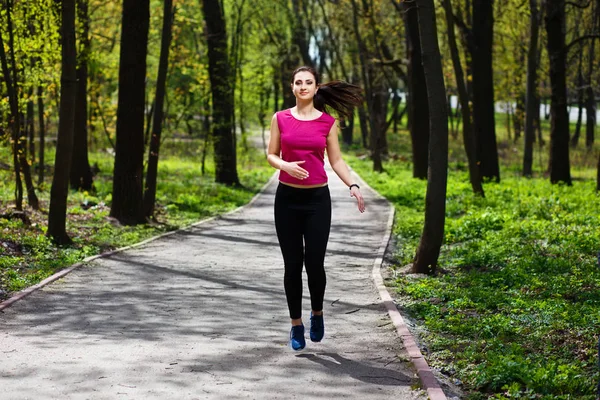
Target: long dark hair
{"points": [[339, 95]]}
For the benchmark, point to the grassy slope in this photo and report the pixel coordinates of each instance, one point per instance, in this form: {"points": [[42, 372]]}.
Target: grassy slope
{"points": [[183, 196], [515, 311]]}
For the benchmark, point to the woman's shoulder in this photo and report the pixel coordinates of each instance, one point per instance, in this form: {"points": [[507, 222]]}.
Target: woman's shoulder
{"points": [[327, 117]]}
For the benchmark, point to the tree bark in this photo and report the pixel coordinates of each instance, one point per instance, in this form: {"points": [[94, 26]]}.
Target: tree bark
{"points": [[418, 111], [483, 89], [559, 117], [127, 206], [151, 173], [469, 139], [30, 124], [11, 87], [60, 182], [580, 103], [81, 173], [435, 201], [598, 183], [299, 35], [367, 77], [590, 99], [532, 105], [346, 126], [42, 129], [222, 94]]}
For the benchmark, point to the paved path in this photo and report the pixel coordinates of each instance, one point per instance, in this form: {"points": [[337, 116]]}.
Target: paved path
{"points": [[201, 314]]}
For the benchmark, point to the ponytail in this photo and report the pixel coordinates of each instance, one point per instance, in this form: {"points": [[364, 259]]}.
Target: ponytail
{"points": [[339, 95]]}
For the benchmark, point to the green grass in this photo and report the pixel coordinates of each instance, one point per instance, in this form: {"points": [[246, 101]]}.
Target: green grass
{"points": [[184, 196], [514, 311]]}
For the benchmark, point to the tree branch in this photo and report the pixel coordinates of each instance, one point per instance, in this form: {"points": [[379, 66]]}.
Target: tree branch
{"points": [[572, 3], [579, 39]]}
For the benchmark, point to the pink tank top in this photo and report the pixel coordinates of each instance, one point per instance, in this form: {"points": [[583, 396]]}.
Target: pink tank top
{"points": [[304, 141]]}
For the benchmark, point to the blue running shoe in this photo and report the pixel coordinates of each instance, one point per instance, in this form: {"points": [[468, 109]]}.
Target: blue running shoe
{"points": [[297, 341], [317, 328]]}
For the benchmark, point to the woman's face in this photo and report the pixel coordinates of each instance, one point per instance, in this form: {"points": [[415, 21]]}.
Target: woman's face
{"points": [[304, 85]]}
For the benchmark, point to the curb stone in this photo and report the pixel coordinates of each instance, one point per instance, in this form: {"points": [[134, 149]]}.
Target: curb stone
{"points": [[428, 380]]}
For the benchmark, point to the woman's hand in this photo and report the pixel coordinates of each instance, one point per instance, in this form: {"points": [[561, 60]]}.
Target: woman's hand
{"points": [[355, 192], [294, 169]]}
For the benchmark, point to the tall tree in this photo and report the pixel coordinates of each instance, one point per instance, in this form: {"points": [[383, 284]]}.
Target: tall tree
{"points": [[222, 94], [299, 32], [127, 205], [484, 121], [60, 181], [559, 117], [430, 244], [42, 137], [11, 88], [590, 98], [373, 91], [81, 173], [11, 78], [532, 109], [469, 140], [161, 81], [418, 109]]}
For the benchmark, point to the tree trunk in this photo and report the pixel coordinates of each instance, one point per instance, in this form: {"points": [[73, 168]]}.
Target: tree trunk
{"points": [[590, 100], [60, 182], [11, 87], [127, 206], [363, 120], [275, 91], [598, 182], [590, 109], [519, 116], [81, 173], [222, 94], [346, 126], [32, 199], [430, 244], [31, 127], [418, 111], [508, 115], [580, 103], [151, 173], [559, 117], [299, 35], [289, 64], [42, 129], [367, 77], [483, 89], [362, 113], [469, 139], [378, 114]]}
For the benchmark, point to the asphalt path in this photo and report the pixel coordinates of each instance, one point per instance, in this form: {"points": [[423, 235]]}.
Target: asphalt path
{"points": [[201, 314]]}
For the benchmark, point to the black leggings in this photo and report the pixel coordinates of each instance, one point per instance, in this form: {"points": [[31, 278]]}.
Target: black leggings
{"points": [[303, 214]]}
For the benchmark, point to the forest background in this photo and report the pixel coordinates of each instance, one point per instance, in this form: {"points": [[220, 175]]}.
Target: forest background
{"points": [[502, 278]]}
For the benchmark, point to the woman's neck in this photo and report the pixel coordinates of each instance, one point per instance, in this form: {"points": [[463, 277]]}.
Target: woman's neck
{"points": [[305, 109]]}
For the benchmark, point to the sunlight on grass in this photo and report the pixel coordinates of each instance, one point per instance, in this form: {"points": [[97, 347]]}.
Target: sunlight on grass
{"points": [[515, 309]]}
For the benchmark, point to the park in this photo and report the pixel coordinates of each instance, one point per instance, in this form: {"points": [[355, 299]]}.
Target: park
{"points": [[139, 256]]}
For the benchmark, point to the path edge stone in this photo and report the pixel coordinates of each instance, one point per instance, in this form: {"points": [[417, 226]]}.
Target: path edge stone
{"points": [[65, 271], [428, 380]]}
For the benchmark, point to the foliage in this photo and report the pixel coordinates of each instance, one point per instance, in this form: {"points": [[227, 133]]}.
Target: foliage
{"points": [[515, 311]]}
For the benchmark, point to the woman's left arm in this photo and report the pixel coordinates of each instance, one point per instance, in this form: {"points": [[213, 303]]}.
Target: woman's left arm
{"points": [[339, 166]]}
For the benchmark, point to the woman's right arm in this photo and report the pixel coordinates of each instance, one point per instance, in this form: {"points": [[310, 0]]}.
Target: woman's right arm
{"points": [[274, 145]]}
